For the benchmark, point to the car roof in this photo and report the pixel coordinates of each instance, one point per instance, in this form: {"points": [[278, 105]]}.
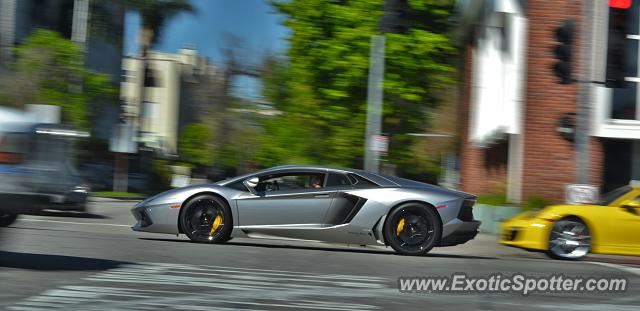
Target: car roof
{"points": [[378, 179]]}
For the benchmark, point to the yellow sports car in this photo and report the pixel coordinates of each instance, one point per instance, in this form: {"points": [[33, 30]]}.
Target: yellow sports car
{"points": [[612, 226]]}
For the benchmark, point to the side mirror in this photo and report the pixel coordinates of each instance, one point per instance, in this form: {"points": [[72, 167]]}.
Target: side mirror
{"points": [[251, 183]]}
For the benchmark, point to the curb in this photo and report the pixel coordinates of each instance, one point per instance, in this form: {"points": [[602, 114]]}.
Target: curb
{"points": [[115, 199]]}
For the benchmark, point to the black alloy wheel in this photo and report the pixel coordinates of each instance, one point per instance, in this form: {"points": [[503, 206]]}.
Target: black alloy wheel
{"points": [[413, 229], [206, 219]]}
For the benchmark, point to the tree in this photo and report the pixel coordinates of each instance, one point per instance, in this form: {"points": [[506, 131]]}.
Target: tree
{"points": [[324, 112], [154, 14], [194, 144], [48, 70]]}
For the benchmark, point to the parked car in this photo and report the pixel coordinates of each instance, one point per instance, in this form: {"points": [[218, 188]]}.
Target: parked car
{"points": [[37, 170]]}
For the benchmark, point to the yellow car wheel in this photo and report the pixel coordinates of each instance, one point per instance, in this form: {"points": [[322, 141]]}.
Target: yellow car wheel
{"points": [[569, 239]]}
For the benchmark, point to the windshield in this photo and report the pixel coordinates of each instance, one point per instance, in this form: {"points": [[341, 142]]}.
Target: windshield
{"points": [[614, 195]]}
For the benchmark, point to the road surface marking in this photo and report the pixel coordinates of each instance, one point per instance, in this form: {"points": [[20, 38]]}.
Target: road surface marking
{"points": [[624, 268], [73, 223], [149, 286]]}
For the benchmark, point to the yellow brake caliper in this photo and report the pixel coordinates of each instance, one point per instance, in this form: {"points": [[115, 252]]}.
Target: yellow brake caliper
{"points": [[400, 226], [216, 224]]}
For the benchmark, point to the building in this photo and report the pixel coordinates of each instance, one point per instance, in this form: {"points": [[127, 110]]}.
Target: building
{"points": [[102, 38], [169, 87], [98, 26], [512, 104]]}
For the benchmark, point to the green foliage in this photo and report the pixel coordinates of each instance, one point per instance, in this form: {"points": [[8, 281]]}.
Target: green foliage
{"points": [[48, 70], [162, 175], [113, 194], [493, 199], [193, 144], [322, 90], [535, 202]]}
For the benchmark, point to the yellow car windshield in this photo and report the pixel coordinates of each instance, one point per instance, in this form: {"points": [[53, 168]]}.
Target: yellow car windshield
{"points": [[613, 195]]}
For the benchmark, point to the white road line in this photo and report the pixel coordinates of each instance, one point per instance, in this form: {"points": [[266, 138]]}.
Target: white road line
{"points": [[200, 287], [74, 223], [214, 270], [624, 268]]}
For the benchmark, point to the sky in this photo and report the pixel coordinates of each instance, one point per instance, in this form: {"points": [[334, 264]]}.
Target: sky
{"points": [[254, 21]]}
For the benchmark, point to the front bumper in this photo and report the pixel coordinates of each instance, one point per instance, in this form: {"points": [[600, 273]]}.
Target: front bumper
{"points": [[160, 218], [531, 234]]}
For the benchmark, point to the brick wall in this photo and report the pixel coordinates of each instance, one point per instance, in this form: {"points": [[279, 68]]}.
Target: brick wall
{"points": [[549, 160]]}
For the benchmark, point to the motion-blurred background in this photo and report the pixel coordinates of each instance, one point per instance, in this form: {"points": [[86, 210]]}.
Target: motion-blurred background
{"points": [[512, 100]]}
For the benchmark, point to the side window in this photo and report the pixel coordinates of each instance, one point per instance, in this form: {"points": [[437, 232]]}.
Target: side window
{"points": [[338, 180], [290, 181], [360, 182], [238, 185]]}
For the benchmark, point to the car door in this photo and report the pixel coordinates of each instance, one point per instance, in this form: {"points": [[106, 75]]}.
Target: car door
{"points": [[624, 228], [344, 205], [290, 199]]}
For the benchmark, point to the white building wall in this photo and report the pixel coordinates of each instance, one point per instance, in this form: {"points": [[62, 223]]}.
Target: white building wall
{"points": [[162, 102], [498, 74]]}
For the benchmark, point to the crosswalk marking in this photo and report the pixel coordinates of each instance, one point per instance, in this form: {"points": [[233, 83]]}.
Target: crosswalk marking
{"points": [[162, 286]]}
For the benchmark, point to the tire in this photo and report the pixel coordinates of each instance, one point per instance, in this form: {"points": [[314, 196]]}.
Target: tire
{"points": [[569, 239], [198, 219], [412, 229], [7, 219]]}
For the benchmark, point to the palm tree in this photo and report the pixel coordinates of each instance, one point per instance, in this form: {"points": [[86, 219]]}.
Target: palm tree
{"points": [[154, 14]]}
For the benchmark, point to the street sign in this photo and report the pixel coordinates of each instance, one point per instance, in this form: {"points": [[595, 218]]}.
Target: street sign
{"points": [[122, 139], [379, 144], [581, 194]]}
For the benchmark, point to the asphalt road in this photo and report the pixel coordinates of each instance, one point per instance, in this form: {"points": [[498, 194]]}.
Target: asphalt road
{"points": [[93, 261]]}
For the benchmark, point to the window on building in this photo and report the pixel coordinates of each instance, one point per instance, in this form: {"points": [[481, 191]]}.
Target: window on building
{"points": [[151, 78], [150, 110], [127, 75], [624, 101]]}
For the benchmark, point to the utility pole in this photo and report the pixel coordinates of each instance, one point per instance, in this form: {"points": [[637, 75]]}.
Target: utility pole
{"points": [[583, 120], [394, 20], [374, 103], [7, 30]]}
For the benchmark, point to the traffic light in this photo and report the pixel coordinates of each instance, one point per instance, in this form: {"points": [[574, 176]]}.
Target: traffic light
{"points": [[620, 4], [564, 51], [617, 44]]}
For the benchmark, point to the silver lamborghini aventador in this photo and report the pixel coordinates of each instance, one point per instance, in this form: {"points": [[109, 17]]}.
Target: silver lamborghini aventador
{"points": [[315, 203]]}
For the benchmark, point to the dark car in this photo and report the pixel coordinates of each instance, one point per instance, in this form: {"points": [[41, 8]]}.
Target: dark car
{"points": [[37, 170]]}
